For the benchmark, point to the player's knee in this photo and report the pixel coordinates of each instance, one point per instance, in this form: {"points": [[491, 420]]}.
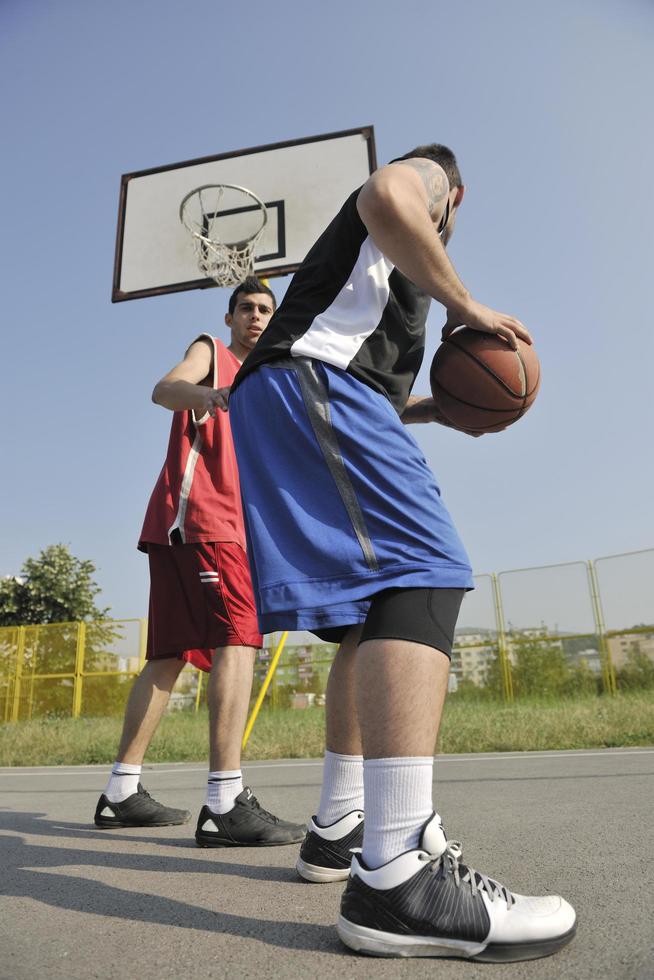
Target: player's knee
{"points": [[163, 667], [426, 616]]}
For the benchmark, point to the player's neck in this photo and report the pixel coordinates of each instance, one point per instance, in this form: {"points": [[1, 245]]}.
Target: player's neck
{"points": [[238, 350]]}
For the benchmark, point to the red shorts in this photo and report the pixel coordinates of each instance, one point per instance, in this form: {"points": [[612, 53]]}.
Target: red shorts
{"points": [[200, 598]]}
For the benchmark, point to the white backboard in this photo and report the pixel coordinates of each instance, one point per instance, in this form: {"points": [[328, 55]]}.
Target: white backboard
{"points": [[303, 183]]}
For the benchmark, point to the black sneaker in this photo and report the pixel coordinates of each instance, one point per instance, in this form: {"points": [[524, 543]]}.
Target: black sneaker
{"points": [[138, 810], [427, 903], [326, 852], [246, 825]]}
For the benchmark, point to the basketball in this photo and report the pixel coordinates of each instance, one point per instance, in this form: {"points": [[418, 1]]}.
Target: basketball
{"points": [[480, 384]]}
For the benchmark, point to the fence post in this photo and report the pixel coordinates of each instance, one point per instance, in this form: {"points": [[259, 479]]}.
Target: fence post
{"points": [[198, 692], [608, 670], [274, 693], [143, 641], [20, 658], [79, 669], [10, 681], [505, 663], [274, 696]]}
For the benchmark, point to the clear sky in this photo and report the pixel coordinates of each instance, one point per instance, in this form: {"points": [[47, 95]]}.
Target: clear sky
{"points": [[548, 107]]}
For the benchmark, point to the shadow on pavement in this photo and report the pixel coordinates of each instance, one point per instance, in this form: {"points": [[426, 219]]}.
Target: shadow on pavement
{"points": [[26, 875], [13, 825]]}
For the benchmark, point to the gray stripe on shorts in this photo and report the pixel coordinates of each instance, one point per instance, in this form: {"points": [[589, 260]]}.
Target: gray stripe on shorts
{"points": [[316, 399]]}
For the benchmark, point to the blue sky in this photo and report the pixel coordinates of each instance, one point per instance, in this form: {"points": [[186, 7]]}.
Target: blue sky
{"points": [[547, 108]]}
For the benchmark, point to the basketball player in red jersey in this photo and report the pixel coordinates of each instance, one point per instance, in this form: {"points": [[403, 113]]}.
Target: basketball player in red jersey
{"points": [[201, 601]]}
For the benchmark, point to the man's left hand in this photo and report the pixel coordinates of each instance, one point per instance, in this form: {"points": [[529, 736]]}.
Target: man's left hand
{"points": [[426, 410]]}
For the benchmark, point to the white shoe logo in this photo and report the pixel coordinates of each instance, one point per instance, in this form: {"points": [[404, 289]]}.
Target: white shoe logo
{"points": [[209, 825]]}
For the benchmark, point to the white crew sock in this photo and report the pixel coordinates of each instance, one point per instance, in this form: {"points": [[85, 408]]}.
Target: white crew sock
{"points": [[398, 795], [123, 782], [222, 790], [342, 787]]}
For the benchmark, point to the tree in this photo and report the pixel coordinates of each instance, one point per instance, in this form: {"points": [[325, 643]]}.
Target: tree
{"points": [[539, 665], [467, 690], [637, 672], [540, 668], [493, 681], [56, 587], [52, 595]]}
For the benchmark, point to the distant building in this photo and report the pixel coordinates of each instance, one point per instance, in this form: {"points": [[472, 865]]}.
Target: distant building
{"points": [[473, 649], [621, 646]]}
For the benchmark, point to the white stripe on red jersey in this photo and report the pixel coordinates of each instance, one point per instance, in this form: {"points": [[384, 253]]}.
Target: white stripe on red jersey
{"points": [[197, 496]]}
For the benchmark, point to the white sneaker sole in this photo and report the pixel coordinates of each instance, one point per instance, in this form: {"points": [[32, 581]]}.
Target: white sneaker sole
{"points": [[374, 942], [318, 875]]}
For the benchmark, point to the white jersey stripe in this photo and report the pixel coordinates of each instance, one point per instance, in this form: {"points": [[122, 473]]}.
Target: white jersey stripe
{"points": [[337, 334], [187, 481], [191, 462]]}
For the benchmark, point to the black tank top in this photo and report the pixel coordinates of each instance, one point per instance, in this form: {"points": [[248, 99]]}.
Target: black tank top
{"points": [[349, 306]]}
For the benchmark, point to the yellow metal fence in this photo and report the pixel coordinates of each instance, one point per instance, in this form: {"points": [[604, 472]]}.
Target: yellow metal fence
{"points": [[561, 629]]}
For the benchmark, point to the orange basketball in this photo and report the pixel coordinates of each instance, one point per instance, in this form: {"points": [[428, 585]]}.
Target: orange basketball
{"points": [[480, 384]]}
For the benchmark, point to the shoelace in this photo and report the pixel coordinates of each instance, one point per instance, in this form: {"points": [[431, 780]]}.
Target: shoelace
{"points": [[253, 801], [449, 861]]}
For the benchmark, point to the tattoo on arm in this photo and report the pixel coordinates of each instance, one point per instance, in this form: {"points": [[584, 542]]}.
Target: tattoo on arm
{"points": [[434, 179]]}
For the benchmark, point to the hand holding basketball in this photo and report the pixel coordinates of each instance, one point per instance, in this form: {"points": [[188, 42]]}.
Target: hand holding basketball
{"points": [[481, 383], [425, 409], [483, 318]]}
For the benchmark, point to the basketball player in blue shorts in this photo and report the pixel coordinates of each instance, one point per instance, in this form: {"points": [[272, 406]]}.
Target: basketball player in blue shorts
{"points": [[349, 538]]}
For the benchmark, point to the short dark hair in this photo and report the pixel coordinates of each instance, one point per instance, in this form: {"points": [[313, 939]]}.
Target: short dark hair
{"points": [[251, 285], [441, 155]]}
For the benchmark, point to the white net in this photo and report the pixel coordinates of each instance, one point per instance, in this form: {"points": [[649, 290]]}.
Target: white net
{"points": [[225, 222]]}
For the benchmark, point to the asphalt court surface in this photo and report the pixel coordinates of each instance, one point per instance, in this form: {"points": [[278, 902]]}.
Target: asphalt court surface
{"points": [[80, 902]]}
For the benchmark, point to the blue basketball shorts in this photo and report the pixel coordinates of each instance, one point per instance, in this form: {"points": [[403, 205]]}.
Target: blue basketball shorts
{"points": [[338, 498]]}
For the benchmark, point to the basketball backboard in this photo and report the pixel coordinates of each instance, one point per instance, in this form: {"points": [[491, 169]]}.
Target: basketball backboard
{"points": [[303, 183]]}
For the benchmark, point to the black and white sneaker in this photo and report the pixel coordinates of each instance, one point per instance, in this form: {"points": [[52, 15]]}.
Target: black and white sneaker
{"points": [[326, 852], [427, 903], [247, 824], [138, 810]]}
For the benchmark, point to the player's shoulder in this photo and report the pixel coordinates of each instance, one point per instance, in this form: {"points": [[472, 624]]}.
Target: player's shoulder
{"points": [[428, 170], [417, 169], [204, 343]]}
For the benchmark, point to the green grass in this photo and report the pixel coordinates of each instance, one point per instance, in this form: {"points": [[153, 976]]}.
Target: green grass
{"points": [[531, 726], [593, 722]]}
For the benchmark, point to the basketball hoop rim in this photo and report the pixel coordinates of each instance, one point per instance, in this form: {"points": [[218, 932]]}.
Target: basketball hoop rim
{"points": [[213, 241]]}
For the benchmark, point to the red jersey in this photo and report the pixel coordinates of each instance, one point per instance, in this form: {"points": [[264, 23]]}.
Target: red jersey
{"points": [[197, 496]]}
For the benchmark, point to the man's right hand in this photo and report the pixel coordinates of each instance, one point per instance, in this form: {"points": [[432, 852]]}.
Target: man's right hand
{"points": [[209, 401], [483, 318], [221, 399]]}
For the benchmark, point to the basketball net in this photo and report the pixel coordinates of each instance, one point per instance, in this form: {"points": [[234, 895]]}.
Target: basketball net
{"points": [[239, 212]]}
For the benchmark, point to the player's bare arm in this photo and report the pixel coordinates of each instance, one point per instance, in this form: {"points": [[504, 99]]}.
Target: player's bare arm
{"points": [[423, 408], [187, 386], [400, 205]]}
